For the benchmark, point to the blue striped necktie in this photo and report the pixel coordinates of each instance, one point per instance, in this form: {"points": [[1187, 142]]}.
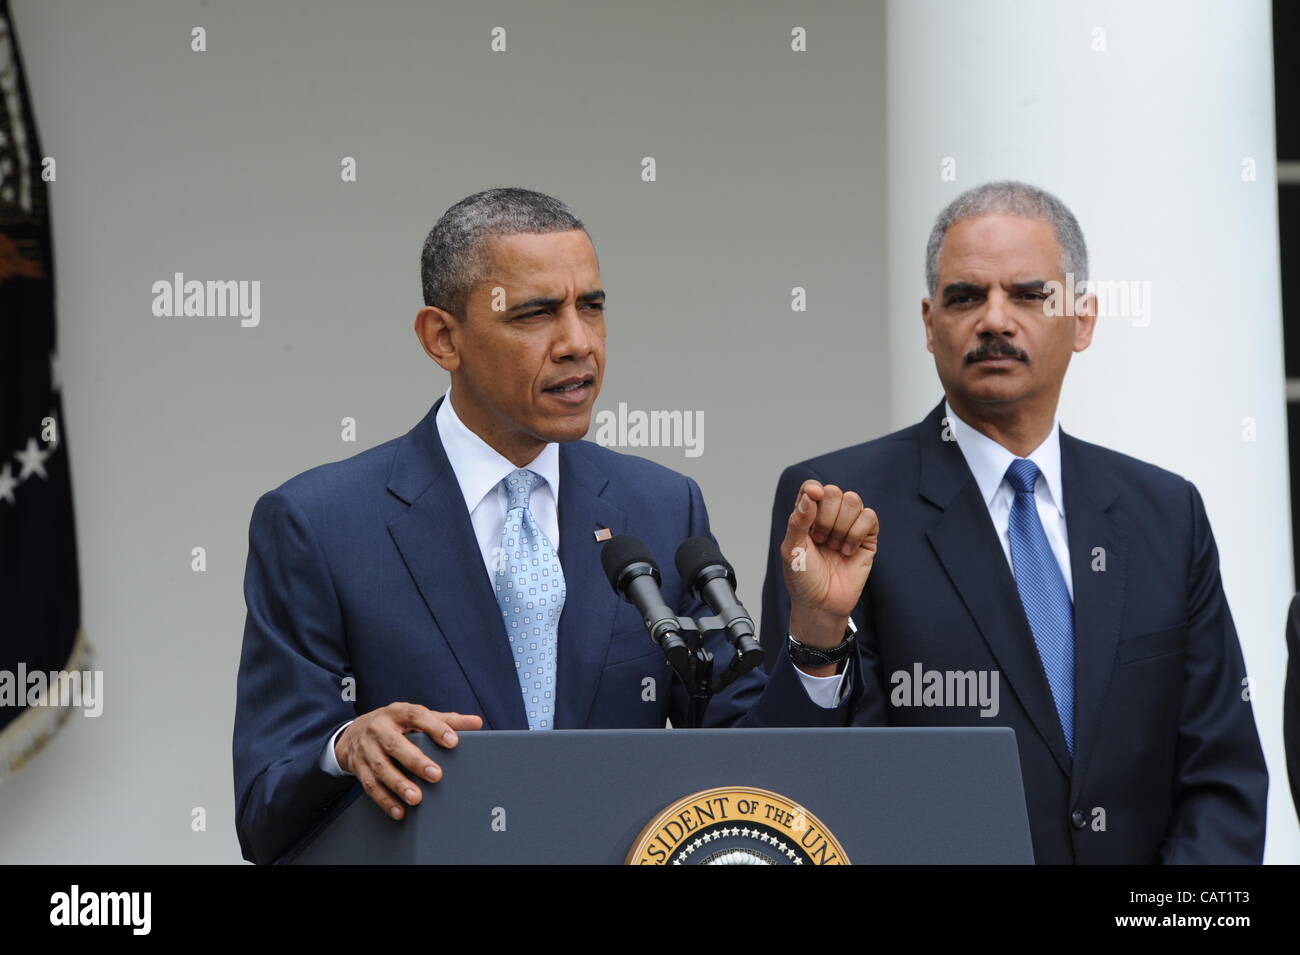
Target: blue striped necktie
{"points": [[1043, 593], [529, 585]]}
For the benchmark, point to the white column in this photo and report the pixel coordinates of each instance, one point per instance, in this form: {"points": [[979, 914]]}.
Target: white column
{"points": [[1147, 120]]}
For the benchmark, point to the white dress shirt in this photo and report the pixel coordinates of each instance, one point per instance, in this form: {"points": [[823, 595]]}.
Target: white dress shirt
{"points": [[989, 461], [480, 471]]}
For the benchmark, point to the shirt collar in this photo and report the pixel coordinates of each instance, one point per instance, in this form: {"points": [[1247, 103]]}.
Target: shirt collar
{"points": [[479, 467], [989, 461]]}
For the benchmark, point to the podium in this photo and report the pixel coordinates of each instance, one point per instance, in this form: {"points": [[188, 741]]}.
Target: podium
{"points": [[860, 795]]}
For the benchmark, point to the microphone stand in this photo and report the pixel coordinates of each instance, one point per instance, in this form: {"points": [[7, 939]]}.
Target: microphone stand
{"points": [[695, 668]]}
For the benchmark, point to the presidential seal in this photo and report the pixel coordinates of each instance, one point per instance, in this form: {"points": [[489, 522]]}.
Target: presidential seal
{"points": [[736, 825]]}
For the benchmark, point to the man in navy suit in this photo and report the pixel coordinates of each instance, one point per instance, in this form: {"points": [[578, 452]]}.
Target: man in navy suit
{"points": [[1080, 583], [450, 579]]}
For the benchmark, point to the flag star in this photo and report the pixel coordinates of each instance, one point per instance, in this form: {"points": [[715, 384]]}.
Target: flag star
{"points": [[7, 484], [32, 459]]}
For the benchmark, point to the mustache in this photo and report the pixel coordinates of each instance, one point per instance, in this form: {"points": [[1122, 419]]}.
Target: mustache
{"points": [[995, 348]]}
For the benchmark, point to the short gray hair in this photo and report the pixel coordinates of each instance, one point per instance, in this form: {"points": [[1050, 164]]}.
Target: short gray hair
{"points": [[1010, 198], [452, 260]]}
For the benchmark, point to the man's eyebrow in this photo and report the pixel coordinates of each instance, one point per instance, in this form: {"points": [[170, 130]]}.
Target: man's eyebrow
{"points": [[962, 288], [540, 301], [550, 301], [1032, 285]]}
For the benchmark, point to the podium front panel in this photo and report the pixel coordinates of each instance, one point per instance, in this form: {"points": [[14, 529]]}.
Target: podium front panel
{"points": [[886, 795]]}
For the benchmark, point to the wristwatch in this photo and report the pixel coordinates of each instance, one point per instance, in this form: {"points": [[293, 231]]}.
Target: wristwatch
{"points": [[805, 655]]}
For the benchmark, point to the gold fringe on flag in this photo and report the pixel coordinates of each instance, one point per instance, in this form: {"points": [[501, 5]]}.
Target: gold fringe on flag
{"points": [[26, 735]]}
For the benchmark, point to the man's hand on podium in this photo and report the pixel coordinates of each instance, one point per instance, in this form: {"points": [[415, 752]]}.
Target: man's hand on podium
{"points": [[371, 743]]}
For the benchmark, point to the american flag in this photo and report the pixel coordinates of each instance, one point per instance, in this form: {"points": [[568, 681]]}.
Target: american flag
{"points": [[40, 607]]}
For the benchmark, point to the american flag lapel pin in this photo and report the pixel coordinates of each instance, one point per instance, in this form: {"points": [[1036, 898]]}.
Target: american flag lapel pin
{"points": [[602, 534]]}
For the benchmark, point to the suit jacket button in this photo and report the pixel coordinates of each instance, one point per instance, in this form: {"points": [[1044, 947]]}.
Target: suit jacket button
{"points": [[1078, 819]]}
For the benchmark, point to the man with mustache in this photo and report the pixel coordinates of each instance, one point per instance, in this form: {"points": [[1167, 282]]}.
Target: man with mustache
{"points": [[1088, 581], [450, 580]]}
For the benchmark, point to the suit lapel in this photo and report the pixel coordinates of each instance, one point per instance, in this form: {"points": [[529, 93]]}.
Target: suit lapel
{"points": [[1098, 579], [437, 542], [586, 624], [966, 543]]}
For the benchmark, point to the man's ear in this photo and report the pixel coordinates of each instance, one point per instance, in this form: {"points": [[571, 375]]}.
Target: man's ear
{"points": [[926, 317], [1085, 321], [437, 331]]}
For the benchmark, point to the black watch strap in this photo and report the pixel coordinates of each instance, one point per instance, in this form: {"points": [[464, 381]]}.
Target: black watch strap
{"points": [[805, 655]]}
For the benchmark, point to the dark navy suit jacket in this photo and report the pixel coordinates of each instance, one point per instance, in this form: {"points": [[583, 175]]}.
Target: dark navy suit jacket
{"points": [[1165, 743], [369, 568]]}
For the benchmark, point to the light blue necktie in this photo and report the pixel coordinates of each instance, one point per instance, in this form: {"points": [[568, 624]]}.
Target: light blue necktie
{"points": [[530, 592], [1043, 593]]}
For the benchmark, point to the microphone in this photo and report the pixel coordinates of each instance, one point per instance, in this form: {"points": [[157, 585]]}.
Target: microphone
{"points": [[710, 578], [635, 577]]}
